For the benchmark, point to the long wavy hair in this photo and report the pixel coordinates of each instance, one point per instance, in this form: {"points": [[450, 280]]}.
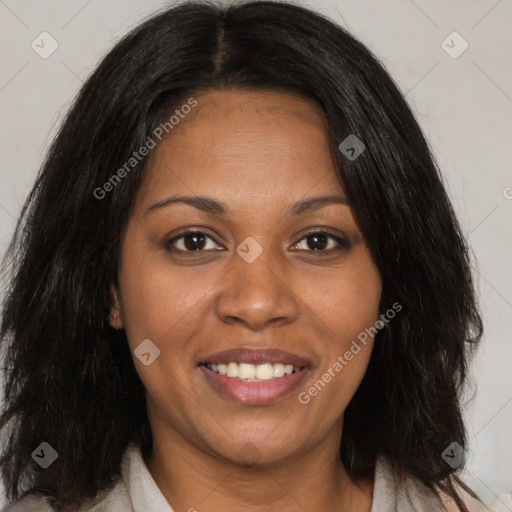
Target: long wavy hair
{"points": [[69, 377]]}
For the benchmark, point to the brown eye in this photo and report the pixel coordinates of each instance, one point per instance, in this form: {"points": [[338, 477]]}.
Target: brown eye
{"points": [[190, 241], [323, 241]]}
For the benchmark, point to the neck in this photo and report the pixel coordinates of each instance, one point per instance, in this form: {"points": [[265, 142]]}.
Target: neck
{"points": [[191, 479]]}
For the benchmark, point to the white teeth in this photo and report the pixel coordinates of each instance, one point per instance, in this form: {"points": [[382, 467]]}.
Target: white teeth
{"points": [[265, 371], [247, 371], [232, 370], [278, 370], [252, 372]]}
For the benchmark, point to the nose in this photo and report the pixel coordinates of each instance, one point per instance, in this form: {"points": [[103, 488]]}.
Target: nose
{"points": [[256, 294]]}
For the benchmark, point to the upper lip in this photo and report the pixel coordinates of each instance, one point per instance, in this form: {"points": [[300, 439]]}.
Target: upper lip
{"points": [[255, 356]]}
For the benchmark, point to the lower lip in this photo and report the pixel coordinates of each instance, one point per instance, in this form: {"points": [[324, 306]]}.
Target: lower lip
{"points": [[253, 393]]}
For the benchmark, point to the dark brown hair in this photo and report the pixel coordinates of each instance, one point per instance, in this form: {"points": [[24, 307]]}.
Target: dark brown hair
{"points": [[70, 378]]}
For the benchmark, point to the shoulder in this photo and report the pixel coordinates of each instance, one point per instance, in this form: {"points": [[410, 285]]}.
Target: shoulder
{"points": [[115, 499], [35, 503], [472, 504], [394, 490]]}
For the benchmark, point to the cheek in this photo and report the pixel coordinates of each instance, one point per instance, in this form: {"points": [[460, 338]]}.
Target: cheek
{"points": [[345, 316], [347, 304], [157, 302], [165, 307]]}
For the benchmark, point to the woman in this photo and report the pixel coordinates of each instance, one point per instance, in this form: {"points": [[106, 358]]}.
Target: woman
{"points": [[238, 283]]}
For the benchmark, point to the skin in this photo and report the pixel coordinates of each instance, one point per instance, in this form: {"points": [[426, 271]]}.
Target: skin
{"points": [[257, 152]]}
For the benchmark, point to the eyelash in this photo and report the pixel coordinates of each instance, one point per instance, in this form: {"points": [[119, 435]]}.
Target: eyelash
{"points": [[343, 243]]}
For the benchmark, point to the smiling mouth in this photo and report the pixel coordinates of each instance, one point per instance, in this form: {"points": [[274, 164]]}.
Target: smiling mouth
{"points": [[252, 376], [247, 372], [253, 390]]}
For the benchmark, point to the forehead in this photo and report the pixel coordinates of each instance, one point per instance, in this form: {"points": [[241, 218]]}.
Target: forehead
{"points": [[245, 145], [262, 105]]}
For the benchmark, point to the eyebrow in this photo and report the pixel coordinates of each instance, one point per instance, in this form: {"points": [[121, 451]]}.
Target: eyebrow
{"points": [[212, 206]]}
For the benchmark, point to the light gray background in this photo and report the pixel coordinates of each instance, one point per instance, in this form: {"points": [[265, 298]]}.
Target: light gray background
{"points": [[464, 106]]}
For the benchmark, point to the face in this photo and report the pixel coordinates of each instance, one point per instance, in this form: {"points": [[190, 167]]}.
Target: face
{"points": [[264, 270]]}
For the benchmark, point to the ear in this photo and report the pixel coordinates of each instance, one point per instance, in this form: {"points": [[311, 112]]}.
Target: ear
{"points": [[115, 318]]}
